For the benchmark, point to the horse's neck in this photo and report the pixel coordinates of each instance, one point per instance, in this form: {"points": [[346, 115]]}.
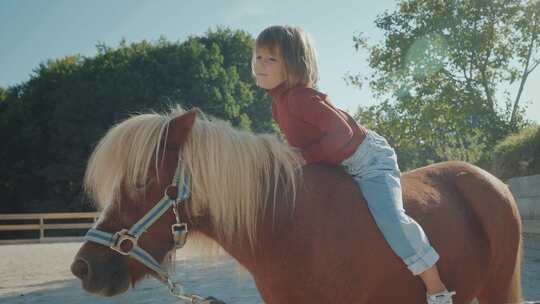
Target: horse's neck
{"points": [[289, 243], [277, 220]]}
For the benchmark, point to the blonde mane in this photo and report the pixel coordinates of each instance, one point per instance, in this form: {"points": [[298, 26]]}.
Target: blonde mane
{"points": [[233, 173]]}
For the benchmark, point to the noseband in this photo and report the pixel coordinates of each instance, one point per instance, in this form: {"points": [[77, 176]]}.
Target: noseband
{"points": [[125, 240]]}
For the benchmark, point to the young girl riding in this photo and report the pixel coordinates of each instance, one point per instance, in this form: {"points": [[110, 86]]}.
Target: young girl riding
{"points": [[284, 64]]}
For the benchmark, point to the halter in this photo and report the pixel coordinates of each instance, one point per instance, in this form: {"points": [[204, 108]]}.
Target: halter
{"points": [[125, 240]]}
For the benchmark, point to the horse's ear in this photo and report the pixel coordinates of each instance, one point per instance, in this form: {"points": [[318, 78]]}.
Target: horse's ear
{"points": [[179, 129]]}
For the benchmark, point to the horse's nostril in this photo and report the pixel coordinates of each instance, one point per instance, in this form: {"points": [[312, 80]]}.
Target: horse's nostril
{"points": [[80, 268]]}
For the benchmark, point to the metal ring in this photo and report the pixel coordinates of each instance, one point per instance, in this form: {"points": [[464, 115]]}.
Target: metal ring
{"points": [[122, 236], [174, 194]]}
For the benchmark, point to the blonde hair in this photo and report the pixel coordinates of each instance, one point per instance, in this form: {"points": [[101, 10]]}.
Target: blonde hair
{"points": [[234, 173], [296, 49]]}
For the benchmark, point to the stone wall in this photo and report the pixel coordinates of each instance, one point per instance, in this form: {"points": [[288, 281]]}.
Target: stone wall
{"points": [[527, 192]]}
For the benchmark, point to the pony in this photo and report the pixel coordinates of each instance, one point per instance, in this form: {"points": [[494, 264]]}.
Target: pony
{"points": [[303, 232]]}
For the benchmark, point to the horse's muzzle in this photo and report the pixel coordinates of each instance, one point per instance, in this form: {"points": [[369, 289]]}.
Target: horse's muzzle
{"points": [[108, 276]]}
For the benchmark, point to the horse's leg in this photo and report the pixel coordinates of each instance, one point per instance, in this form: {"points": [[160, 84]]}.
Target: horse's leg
{"points": [[504, 286]]}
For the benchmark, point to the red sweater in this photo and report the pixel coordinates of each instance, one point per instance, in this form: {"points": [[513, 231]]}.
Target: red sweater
{"points": [[310, 122]]}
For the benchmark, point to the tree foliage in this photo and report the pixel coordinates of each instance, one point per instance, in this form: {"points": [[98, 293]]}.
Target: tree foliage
{"points": [[517, 155], [446, 75], [50, 123], [3, 94]]}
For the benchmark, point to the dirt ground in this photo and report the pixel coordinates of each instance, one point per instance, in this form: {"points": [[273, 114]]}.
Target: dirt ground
{"points": [[39, 273]]}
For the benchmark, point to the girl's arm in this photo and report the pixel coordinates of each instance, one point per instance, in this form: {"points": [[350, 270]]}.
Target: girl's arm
{"points": [[313, 107]]}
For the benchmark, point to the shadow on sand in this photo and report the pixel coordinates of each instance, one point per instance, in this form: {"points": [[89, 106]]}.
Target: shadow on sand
{"points": [[220, 278]]}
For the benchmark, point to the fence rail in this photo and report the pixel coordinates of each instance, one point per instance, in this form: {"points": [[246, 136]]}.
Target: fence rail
{"points": [[42, 223], [529, 226]]}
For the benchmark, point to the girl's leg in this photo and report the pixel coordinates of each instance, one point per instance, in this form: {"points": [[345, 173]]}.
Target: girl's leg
{"points": [[382, 192], [405, 236], [374, 168], [432, 280]]}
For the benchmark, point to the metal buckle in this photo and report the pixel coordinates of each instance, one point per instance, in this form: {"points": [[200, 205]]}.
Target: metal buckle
{"points": [[120, 237], [179, 232]]}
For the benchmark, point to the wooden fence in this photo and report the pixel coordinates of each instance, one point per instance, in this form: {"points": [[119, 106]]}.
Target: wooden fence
{"points": [[43, 222]]}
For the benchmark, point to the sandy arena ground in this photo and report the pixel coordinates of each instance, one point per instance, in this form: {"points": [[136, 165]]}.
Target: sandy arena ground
{"points": [[39, 273]]}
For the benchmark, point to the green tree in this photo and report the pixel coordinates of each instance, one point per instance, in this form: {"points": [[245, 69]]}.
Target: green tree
{"points": [[517, 155], [236, 47], [3, 94], [51, 122], [439, 72]]}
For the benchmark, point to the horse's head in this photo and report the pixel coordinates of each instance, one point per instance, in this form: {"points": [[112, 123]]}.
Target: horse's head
{"points": [[128, 174]]}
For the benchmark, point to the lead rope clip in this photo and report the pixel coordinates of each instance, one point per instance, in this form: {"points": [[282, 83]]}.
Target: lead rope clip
{"points": [[178, 291]]}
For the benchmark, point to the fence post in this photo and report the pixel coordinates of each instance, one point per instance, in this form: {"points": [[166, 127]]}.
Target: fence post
{"points": [[41, 229]]}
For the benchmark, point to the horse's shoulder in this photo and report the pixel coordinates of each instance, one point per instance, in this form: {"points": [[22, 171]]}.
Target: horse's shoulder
{"points": [[325, 180], [326, 175], [318, 169]]}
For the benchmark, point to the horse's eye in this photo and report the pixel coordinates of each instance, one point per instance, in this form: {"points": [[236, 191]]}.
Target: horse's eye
{"points": [[142, 184]]}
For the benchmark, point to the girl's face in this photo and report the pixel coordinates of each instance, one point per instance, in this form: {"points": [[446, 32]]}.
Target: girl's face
{"points": [[269, 68]]}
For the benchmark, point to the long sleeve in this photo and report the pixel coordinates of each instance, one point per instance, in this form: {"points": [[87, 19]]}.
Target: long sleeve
{"points": [[314, 109]]}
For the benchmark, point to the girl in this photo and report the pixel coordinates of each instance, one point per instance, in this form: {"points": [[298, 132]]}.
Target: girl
{"points": [[284, 64]]}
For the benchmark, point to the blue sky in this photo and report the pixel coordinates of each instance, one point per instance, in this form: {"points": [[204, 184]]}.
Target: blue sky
{"points": [[33, 31]]}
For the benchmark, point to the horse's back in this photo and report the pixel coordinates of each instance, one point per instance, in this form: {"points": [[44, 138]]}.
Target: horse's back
{"points": [[341, 243], [452, 201], [458, 191], [472, 220]]}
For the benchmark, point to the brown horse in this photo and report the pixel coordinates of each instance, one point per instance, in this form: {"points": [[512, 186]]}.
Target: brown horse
{"points": [[303, 232]]}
